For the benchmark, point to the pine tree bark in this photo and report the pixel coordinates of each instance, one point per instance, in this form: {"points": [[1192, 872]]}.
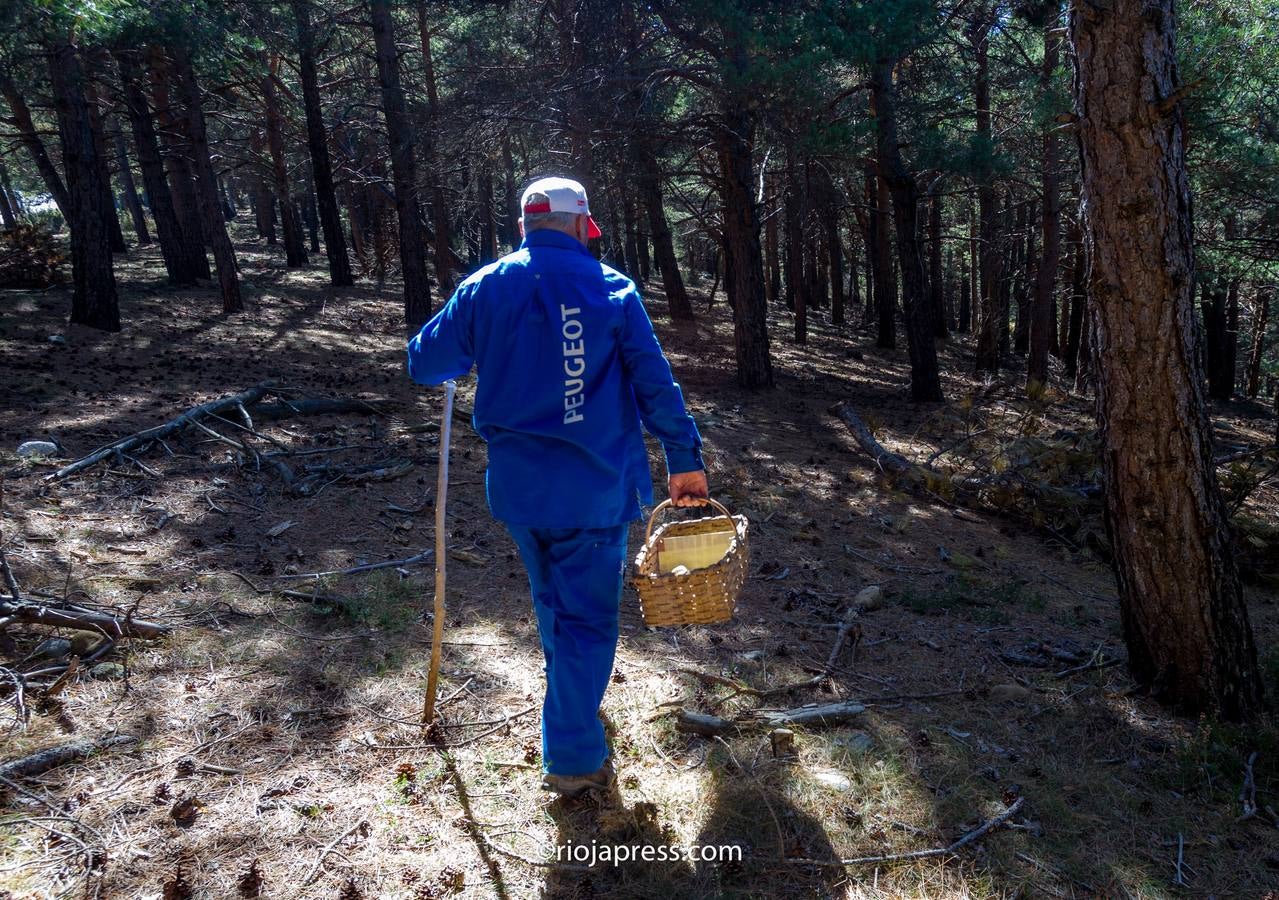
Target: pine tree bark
{"points": [[318, 145], [744, 265], [1043, 326], [988, 269], [797, 283], [835, 251], [772, 259], [114, 232], [130, 189], [294, 239], [1212, 304], [417, 289], [882, 265], [30, 139], [444, 261], [1182, 607], [15, 202], [8, 212], [93, 300], [936, 280], [1260, 320], [925, 379], [648, 180], [206, 183], [178, 162], [488, 217], [167, 227], [1078, 302]]}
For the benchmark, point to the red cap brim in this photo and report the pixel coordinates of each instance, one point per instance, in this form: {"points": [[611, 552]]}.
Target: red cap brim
{"points": [[593, 231]]}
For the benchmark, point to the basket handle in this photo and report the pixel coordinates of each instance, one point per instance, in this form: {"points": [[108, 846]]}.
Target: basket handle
{"points": [[648, 533]]}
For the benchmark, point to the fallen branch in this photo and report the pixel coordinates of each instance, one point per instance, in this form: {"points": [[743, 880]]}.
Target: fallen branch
{"points": [[33, 612], [356, 570], [975, 835], [281, 409], [827, 714], [188, 418], [242, 403], [51, 757], [691, 722], [707, 726]]}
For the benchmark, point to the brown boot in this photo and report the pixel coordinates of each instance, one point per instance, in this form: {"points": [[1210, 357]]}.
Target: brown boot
{"points": [[570, 786]]}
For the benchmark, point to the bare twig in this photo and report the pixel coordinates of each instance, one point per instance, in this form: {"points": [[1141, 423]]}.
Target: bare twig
{"points": [[315, 869]]}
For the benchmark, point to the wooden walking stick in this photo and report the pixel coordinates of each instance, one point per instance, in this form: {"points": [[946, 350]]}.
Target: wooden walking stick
{"points": [[441, 554]]}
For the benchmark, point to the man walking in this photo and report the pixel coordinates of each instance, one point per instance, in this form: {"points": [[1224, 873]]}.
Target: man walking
{"points": [[568, 369]]}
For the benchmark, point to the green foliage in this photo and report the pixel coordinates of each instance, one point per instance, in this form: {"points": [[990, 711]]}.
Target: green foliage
{"points": [[384, 601], [984, 600]]}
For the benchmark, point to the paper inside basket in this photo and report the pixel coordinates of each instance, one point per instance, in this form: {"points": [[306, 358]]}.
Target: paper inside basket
{"points": [[693, 551]]}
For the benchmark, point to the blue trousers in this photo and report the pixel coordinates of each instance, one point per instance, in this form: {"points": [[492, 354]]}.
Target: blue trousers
{"points": [[575, 575]]}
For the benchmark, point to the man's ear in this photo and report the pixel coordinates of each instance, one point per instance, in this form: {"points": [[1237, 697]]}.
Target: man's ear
{"points": [[521, 221]]}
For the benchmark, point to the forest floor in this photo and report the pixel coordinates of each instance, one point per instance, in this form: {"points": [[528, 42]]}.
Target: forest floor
{"points": [[277, 750]]}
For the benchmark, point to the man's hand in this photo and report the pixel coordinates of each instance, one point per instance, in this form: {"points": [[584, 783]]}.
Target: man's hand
{"points": [[689, 488]]}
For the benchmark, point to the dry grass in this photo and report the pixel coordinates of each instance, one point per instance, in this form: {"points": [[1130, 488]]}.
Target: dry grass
{"points": [[291, 702]]}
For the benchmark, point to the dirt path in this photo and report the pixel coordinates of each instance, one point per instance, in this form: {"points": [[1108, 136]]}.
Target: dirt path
{"points": [[277, 738]]}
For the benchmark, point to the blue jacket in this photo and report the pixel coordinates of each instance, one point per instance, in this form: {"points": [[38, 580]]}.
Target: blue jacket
{"points": [[568, 367]]}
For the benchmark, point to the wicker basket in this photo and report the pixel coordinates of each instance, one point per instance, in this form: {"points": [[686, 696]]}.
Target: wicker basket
{"points": [[703, 596]]}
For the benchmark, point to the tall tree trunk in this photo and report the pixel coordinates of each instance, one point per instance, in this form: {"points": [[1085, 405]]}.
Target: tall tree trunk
{"points": [[1078, 302], [444, 260], [178, 163], [925, 379], [835, 249], [648, 180], [225, 198], [417, 289], [1260, 321], [206, 183], [318, 145], [488, 217], [177, 262], [1019, 276], [8, 214], [310, 214], [260, 190], [1182, 608], [989, 323], [797, 285], [854, 282], [130, 189], [744, 265], [114, 232], [30, 139], [772, 259], [15, 202], [882, 265], [631, 249], [1213, 296], [936, 280], [1043, 322], [93, 301], [294, 239], [511, 209]]}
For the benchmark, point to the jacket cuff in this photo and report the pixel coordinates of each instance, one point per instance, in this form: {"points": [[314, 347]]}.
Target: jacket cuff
{"points": [[683, 459]]}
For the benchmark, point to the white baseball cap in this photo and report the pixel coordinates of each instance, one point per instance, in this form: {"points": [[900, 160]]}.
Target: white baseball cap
{"points": [[563, 195]]}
